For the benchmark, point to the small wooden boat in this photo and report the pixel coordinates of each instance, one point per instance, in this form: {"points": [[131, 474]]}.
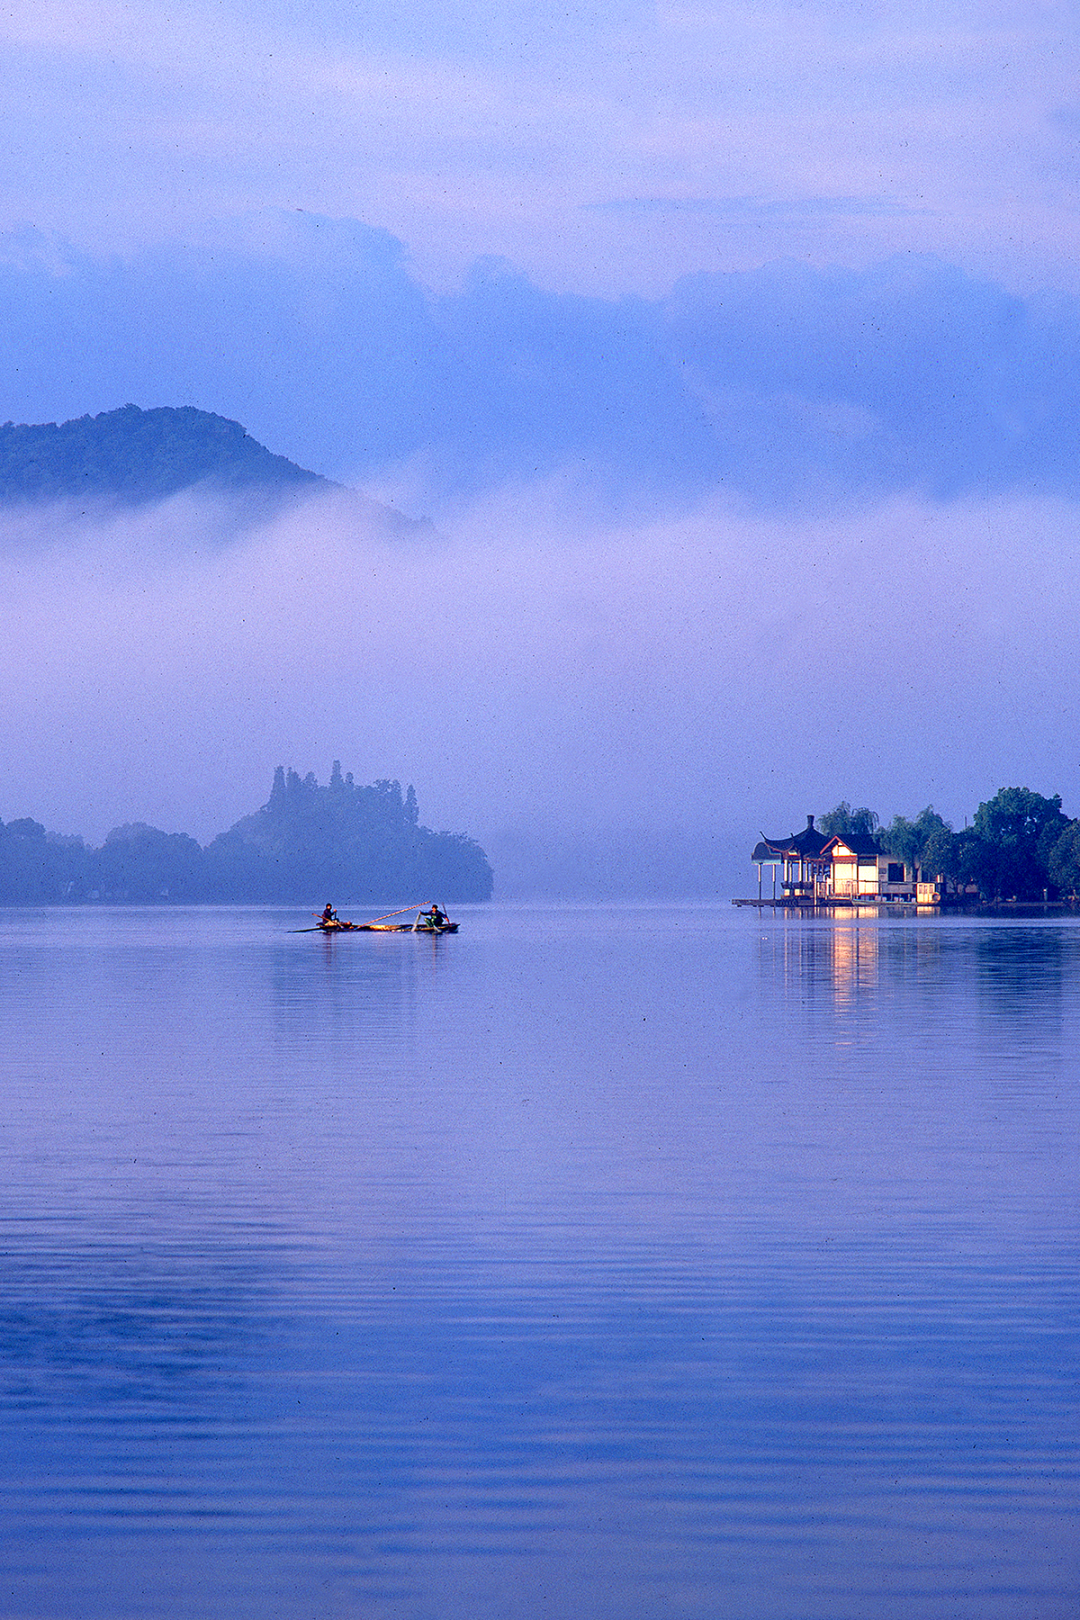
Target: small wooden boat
{"points": [[377, 928], [391, 928]]}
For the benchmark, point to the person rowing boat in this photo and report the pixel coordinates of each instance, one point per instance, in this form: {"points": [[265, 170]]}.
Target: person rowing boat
{"points": [[434, 920], [331, 923]]}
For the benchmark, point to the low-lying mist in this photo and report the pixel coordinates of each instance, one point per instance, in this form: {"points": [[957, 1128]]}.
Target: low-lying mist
{"points": [[607, 709]]}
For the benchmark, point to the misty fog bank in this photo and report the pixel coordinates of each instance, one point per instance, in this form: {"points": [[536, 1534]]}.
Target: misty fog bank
{"points": [[604, 708]]}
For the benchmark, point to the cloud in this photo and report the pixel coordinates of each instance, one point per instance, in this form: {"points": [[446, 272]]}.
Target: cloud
{"points": [[471, 130], [740, 209], [784, 387]]}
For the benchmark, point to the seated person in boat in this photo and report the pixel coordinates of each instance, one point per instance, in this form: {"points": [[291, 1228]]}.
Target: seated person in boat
{"points": [[329, 915], [435, 918]]}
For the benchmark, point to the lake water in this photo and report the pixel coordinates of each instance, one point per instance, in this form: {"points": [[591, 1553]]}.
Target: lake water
{"points": [[591, 1264]]}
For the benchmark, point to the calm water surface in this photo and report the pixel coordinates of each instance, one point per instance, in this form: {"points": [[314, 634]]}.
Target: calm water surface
{"points": [[593, 1264]]}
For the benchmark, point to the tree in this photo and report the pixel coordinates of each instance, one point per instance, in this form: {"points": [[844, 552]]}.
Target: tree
{"points": [[1063, 863], [1016, 832], [841, 820], [141, 864], [941, 855], [25, 862], [909, 839]]}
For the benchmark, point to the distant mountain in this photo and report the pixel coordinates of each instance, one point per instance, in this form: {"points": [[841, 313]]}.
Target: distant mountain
{"points": [[132, 456]]}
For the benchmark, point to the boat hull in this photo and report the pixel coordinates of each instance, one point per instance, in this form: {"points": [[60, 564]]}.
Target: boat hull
{"points": [[380, 928]]}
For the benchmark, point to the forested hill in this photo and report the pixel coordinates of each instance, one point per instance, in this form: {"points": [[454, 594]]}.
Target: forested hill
{"points": [[308, 844], [131, 455]]}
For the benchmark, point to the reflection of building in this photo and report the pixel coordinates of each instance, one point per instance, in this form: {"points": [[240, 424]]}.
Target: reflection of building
{"points": [[818, 868], [854, 961]]}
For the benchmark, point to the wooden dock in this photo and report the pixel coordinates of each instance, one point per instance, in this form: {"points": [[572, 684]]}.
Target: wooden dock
{"points": [[832, 902]]}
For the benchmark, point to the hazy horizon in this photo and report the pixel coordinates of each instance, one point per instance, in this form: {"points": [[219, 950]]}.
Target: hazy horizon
{"points": [[543, 678]]}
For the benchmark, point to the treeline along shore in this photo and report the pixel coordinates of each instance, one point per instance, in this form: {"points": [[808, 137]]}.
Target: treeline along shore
{"points": [[1019, 846], [308, 842]]}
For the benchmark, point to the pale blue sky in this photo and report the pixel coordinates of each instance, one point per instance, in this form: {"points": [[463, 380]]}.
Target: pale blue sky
{"points": [[603, 149]]}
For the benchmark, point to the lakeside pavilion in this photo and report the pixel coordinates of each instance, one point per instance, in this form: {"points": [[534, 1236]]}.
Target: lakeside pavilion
{"points": [[819, 867]]}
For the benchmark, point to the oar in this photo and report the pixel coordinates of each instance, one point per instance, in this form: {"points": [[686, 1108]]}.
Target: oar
{"points": [[320, 928], [387, 914]]}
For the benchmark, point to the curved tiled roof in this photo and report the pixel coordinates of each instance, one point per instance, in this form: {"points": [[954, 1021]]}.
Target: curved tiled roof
{"points": [[806, 845], [809, 844]]}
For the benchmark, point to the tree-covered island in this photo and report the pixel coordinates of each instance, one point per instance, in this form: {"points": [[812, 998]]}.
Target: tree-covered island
{"points": [[352, 842], [1019, 846]]}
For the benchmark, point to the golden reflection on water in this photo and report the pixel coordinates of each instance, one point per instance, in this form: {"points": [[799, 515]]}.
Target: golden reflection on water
{"points": [[854, 963]]}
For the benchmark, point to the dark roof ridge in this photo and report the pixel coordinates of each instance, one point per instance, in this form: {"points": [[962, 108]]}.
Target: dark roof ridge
{"points": [[809, 843]]}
